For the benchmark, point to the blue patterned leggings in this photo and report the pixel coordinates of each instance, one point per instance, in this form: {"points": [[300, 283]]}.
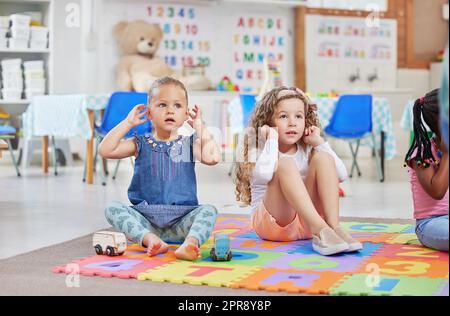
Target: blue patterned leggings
{"points": [[198, 224]]}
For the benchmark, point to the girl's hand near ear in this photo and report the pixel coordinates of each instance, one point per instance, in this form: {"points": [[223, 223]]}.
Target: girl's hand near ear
{"points": [[136, 116], [206, 149], [113, 145], [312, 136], [195, 120]]}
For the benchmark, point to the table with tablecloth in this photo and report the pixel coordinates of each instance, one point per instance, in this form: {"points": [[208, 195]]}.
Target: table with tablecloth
{"points": [[381, 125], [407, 120], [381, 120], [64, 116]]}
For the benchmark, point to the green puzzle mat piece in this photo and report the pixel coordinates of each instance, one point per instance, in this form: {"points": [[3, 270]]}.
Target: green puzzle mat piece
{"points": [[364, 284], [354, 227]]}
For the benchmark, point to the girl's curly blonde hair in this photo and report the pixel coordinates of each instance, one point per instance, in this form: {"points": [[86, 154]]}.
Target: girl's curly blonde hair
{"points": [[261, 116]]}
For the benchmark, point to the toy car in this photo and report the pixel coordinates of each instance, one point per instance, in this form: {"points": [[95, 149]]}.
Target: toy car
{"points": [[109, 243], [221, 250]]}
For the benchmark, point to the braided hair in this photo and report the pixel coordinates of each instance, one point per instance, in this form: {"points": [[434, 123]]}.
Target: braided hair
{"points": [[426, 111]]}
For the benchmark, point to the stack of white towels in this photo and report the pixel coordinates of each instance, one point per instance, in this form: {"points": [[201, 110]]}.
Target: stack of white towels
{"points": [[35, 81], [13, 83], [20, 31], [39, 38], [16, 32], [12, 79], [4, 29]]}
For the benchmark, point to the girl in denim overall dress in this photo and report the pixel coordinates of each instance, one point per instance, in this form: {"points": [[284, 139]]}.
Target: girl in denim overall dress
{"points": [[163, 191]]}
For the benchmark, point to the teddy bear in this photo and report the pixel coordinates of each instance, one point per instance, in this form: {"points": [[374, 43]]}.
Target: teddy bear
{"points": [[139, 66]]}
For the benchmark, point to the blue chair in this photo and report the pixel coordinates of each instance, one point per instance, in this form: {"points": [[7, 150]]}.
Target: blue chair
{"points": [[248, 102], [7, 133], [352, 121], [119, 106]]}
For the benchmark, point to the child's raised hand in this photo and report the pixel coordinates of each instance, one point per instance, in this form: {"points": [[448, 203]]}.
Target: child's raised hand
{"points": [[312, 136], [136, 115], [268, 132], [196, 121]]}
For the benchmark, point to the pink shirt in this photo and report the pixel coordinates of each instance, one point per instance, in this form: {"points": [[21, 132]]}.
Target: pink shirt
{"points": [[424, 205]]}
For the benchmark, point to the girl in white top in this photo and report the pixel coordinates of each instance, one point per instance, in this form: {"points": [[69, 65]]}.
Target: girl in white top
{"points": [[290, 175]]}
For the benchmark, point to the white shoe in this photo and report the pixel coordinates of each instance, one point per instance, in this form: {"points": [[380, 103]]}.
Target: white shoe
{"points": [[353, 244], [329, 243]]}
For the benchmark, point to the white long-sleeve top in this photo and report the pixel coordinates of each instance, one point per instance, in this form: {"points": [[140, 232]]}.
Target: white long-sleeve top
{"points": [[267, 161]]}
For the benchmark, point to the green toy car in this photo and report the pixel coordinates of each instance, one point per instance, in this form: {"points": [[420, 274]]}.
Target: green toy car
{"points": [[221, 250]]}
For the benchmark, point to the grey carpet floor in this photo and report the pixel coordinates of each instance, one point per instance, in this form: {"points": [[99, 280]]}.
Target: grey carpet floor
{"points": [[31, 274]]}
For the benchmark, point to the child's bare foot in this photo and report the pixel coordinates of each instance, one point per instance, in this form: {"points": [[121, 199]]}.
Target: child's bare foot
{"points": [[189, 250], [155, 245]]}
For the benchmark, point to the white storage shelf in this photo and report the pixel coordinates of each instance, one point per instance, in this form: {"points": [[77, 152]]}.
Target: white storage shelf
{"points": [[9, 7], [25, 51], [18, 102]]}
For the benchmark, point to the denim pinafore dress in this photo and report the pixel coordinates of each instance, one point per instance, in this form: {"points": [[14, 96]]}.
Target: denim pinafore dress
{"points": [[164, 184]]}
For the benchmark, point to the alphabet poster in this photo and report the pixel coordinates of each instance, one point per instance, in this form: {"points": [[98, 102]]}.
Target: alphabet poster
{"points": [[187, 39], [228, 40], [255, 38], [351, 39]]}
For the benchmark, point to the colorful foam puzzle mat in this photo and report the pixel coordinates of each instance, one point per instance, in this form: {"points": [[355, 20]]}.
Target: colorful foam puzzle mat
{"points": [[393, 262]]}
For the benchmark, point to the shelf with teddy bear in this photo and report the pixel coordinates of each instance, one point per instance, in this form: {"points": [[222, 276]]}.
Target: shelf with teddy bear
{"points": [[139, 66]]}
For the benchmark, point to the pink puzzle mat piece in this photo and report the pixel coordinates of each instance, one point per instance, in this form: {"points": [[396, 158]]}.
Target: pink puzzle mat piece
{"points": [[134, 261], [411, 252]]}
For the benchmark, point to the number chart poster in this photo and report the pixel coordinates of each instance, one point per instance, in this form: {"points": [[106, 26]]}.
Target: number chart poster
{"points": [[255, 38], [187, 38], [351, 39]]}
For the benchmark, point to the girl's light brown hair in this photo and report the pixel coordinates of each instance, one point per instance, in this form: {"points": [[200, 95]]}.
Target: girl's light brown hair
{"points": [[165, 81], [262, 115]]}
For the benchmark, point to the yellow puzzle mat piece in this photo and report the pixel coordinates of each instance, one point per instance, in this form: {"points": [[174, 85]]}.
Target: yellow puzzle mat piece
{"points": [[198, 273]]}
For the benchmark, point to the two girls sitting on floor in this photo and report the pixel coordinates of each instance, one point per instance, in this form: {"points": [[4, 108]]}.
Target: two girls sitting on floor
{"points": [[292, 187]]}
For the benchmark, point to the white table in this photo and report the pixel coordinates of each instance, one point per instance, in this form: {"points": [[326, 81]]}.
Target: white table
{"points": [[64, 116]]}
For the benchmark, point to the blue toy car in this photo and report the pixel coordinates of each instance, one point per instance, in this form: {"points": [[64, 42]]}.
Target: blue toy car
{"points": [[221, 250]]}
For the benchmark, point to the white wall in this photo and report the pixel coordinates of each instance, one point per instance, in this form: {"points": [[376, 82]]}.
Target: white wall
{"points": [[418, 80], [67, 51], [76, 53]]}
